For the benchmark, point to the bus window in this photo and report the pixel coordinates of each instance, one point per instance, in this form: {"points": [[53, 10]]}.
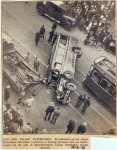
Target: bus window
{"points": [[96, 76], [107, 86]]}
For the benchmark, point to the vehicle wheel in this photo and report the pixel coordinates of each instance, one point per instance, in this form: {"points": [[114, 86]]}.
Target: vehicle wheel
{"points": [[67, 26], [77, 50], [70, 86], [68, 74], [41, 11]]}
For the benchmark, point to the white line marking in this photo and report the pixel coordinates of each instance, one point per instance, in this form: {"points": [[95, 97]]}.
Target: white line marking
{"points": [[78, 82], [84, 118], [25, 47], [81, 71]]}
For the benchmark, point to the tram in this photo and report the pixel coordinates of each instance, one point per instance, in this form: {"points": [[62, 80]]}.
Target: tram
{"points": [[101, 80]]}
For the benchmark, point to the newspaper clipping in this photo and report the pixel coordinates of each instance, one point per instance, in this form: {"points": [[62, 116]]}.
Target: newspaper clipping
{"points": [[59, 73]]}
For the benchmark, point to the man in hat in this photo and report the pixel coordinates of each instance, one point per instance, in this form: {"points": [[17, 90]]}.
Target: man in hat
{"points": [[42, 31], [7, 93], [55, 116], [81, 99], [49, 111], [21, 96], [82, 128], [54, 38], [36, 64], [27, 57], [71, 126], [28, 103], [51, 36], [54, 26], [87, 103]]}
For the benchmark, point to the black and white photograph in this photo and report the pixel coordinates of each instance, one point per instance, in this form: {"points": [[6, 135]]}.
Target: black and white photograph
{"points": [[58, 67]]}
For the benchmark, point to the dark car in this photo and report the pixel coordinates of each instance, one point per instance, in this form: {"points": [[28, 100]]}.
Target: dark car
{"points": [[57, 10]]}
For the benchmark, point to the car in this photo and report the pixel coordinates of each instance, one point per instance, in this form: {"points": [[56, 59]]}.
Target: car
{"points": [[57, 11]]}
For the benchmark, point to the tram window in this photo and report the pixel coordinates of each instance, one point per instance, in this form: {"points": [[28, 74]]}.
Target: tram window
{"points": [[96, 76], [107, 86]]}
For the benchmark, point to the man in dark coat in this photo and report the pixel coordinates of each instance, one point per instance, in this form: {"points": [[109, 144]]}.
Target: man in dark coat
{"points": [[49, 111], [55, 116], [71, 126], [42, 31], [36, 64], [87, 103], [38, 37], [51, 36], [81, 99], [54, 26], [54, 38], [82, 128], [7, 93]]}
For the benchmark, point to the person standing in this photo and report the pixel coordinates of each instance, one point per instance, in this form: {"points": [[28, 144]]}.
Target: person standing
{"points": [[82, 128], [28, 103], [54, 26], [51, 36], [55, 116], [7, 93], [87, 103], [71, 126], [21, 95], [27, 57], [54, 38], [36, 64], [81, 99], [49, 111], [42, 31], [38, 37]]}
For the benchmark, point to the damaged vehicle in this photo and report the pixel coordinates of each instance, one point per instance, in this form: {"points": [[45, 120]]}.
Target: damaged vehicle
{"points": [[61, 66], [18, 72]]}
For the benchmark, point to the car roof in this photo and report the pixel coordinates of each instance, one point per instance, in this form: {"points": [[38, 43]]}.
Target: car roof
{"points": [[60, 4]]}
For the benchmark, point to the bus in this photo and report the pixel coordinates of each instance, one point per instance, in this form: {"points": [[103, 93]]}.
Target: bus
{"points": [[101, 80], [61, 66]]}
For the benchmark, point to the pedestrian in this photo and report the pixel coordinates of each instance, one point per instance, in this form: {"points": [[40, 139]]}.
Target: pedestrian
{"points": [[38, 37], [54, 26], [27, 57], [81, 99], [7, 93], [54, 38], [21, 96], [20, 121], [87, 103], [71, 126], [35, 131], [82, 128], [49, 111], [55, 116], [51, 36], [42, 31], [36, 64], [26, 128], [28, 103]]}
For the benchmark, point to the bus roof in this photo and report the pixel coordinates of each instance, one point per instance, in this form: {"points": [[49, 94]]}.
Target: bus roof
{"points": [[64, 58], [107, 68]]}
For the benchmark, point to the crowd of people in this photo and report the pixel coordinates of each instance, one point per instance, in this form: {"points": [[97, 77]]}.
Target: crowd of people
{"points": [[94, 18]]}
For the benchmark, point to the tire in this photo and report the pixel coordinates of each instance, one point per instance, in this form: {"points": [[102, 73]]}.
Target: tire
{"points": [[68, 74], [67, 26], [41, 11], [70, 86], [77, 50]]}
